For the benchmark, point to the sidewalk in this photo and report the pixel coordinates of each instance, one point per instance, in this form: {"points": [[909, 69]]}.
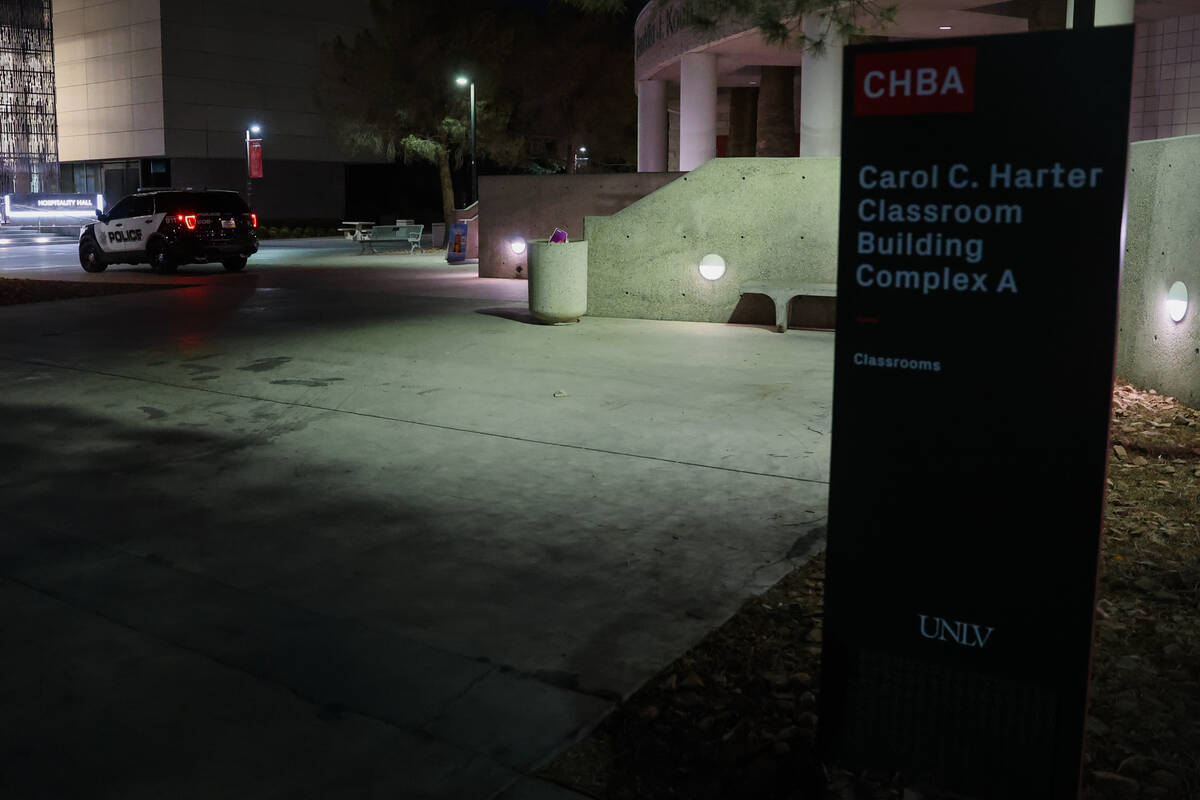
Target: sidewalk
{"points": [[357, 532]]}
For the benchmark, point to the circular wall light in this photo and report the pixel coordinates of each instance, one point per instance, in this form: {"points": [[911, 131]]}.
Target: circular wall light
{"points": [[1177, 301], [712, 266], [517, 245]]}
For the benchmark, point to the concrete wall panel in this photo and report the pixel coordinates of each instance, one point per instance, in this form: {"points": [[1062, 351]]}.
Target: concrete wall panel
{"points": [[108, 72], [113, 118], [109, 68], [72, 120], [143, 11], [152, 142], [145, 35], [105, 94], [113, 14], [532, 206], [107, 42], [147, 116], [771, 219], [66, 48], [146, 89], [71, 98], [70, 74], [147, 63], [67, 23], [1162, 246]]}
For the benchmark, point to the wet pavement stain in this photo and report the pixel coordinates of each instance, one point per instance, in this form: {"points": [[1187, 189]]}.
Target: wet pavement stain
{"points": [[205, 378], [151, 412], [308, 382], [266, 364], [199, 369]]}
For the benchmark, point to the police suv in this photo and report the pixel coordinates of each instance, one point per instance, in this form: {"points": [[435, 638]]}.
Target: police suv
{"points": [[168, 227]]}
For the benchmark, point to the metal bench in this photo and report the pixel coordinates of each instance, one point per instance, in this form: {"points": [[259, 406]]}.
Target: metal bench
{"points": [[782, 293], [391, 234]]}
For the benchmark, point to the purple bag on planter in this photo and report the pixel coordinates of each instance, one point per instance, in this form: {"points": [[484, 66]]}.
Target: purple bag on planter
{"points": [[559, 235]]}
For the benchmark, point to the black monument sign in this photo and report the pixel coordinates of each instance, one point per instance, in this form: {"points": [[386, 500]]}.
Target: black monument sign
{"points": [[980, 242]]}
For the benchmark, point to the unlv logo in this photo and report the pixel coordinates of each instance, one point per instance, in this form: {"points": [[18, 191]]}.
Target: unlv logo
{"points": [[940, 81], [955, 631]]}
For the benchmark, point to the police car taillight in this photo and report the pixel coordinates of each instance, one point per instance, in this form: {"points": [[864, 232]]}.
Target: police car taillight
{"points": [[253, 220], [189, 220]]}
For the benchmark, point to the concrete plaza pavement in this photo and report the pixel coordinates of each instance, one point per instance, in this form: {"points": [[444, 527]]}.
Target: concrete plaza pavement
{"points": [[354, 526]]}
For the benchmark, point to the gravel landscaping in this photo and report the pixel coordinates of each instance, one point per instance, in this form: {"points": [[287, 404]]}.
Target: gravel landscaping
{"points": [[736, 715]]}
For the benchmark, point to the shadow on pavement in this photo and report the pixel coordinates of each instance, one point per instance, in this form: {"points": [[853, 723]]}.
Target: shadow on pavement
{"points": [[150, 643], [513, 314]]}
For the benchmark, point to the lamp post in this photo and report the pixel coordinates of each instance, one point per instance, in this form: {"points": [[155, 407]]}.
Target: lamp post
{"points": [[463, 80], [253, 160]]}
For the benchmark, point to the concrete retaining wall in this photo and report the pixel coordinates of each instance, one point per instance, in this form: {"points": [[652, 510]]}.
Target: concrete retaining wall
{"points": [[771, 219], [776, 220], [532, 206], [1162, 246]]}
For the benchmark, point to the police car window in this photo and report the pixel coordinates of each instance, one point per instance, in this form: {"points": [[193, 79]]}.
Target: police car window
{"points": [[143, 206], [122, 209]]}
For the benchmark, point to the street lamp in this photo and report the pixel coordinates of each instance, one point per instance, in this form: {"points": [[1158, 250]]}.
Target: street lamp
{"points": [[463, 80], [253, 159]]}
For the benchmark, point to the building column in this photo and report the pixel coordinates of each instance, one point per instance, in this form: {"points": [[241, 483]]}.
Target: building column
{"points": [[697, 109], [1108, 12], [821, 92], [652, 126], [776, 113]]}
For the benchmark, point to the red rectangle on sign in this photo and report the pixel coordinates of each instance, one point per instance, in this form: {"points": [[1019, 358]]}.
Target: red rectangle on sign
{"points": [[254, 154], [936, 81]]}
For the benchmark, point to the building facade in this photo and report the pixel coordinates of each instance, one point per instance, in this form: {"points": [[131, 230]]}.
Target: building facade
{"points": [[161, 93], [28, 140], [729, 92]]}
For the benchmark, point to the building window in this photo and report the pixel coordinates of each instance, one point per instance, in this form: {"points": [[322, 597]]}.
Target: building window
{"points": [[80, 179]]}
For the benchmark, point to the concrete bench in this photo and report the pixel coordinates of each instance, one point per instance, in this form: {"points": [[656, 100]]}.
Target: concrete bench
{"points": [[392, 234], [782, 293]]}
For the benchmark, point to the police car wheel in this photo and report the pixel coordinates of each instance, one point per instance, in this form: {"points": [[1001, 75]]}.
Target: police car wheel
{"points": [[160, 259], [89, 258], [234, 264]]}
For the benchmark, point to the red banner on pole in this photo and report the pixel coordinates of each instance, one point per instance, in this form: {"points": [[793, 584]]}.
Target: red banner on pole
{"points": [[254, 156]]}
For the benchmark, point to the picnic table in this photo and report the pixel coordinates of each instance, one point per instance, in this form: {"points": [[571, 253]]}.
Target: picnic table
{"points": [[354, 230]]}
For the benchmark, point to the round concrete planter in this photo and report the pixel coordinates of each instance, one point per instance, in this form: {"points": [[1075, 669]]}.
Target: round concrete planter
{"points": [[557, 280]]}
